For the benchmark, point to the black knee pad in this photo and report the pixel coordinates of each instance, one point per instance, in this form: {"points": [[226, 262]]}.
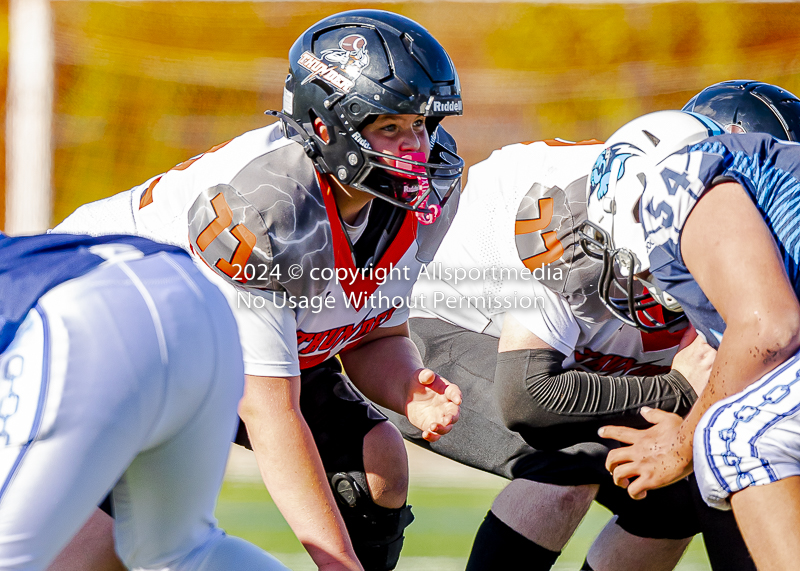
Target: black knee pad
{"points": [[376, 532]]}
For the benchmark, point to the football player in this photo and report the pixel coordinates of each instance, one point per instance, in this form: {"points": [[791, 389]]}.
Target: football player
{"points": [[521, 211], [539, 367], [121, 366], [329, 214], [710, 224]]}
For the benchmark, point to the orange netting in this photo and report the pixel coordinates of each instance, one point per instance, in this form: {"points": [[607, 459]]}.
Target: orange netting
{"points": [[142, 86]]}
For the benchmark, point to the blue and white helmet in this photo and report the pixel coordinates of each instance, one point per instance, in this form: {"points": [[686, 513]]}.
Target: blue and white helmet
{"points": [[617, 181], [613, 231]]}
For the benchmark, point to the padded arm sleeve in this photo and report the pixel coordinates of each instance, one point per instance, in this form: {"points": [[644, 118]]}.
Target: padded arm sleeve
{"points": [[552, 408]]}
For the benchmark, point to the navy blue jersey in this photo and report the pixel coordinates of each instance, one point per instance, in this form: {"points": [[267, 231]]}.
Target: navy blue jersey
{"points": [[30, 266], [770, 172]]}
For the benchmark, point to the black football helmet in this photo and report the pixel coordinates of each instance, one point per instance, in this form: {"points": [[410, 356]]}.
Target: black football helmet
{"points": [[351, 67], [746, 106]]}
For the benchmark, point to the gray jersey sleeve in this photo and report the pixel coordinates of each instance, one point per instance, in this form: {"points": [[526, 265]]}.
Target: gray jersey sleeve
{"points": [[572, 274], [268, 227]]}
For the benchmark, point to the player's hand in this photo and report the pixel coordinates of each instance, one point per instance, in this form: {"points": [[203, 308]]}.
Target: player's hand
{"points": [[694, 359], [656, 457], [433, 404]]}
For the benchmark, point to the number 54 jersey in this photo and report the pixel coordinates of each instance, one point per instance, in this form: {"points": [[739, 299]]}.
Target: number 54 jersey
{"points": [[257, 217], [513, 250], [769, 171]]}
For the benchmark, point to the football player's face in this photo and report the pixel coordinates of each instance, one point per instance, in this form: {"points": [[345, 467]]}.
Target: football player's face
{"points": [[398, 135]]}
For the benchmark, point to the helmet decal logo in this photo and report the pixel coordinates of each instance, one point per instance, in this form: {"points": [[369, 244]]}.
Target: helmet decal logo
{"points": [[329, 73], [604, 165], [453, 106], [421, 189], [352, 55], [360, 140], [735, 129]]}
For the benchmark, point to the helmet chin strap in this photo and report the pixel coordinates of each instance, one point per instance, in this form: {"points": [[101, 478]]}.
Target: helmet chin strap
{"points": [[308, 143]]}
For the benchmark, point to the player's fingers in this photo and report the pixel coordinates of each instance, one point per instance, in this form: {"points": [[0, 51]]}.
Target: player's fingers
{"points": [[623, 474], [655, 415], [620, 433], [617, 457], [638, 488], [426, 376], [430, 436], [448, 411], [442, 429], [451, 415], [453, 393], [455, 416]]}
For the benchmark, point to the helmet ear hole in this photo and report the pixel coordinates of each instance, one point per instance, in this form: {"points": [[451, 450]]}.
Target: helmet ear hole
{"points": [[320, 129], [745, 106]]}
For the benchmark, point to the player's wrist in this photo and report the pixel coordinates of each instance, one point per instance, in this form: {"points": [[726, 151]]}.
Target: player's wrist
{"points": [[345, 560], [684, 443]]}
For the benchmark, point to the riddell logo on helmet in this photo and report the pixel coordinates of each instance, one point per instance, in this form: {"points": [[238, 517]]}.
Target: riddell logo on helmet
{"points": [[361, 140], [447, 106]]}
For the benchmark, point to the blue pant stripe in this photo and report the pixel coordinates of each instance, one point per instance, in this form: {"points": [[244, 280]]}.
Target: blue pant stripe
{"points": [[37, 421], [708, 430]]}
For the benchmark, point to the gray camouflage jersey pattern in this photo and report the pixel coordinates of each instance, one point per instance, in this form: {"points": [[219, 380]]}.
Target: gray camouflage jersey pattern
{"points": [[579, 273], [269, 227], [277, 198]]}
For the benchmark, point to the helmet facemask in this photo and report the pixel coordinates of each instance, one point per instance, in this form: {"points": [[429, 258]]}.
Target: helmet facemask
{"points": [[352, 67], [620, 289], [614, 233], [408, 180]]}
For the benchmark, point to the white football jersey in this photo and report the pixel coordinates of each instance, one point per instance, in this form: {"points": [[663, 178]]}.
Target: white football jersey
{"points": [[512, 249], [254, 212]]}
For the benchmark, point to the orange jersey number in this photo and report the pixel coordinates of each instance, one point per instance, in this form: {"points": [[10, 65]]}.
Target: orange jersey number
{"points": [[147, 195], [552, 245], [245, 238]]}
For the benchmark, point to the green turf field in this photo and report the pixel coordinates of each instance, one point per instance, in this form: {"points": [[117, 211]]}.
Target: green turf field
{"points": [[438, 540]]}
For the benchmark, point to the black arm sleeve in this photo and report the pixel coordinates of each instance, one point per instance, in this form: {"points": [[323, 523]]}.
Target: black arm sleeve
{"points": [[552, 408]]}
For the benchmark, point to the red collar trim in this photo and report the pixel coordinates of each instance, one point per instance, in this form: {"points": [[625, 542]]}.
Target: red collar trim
{"points": [[343, 256]]}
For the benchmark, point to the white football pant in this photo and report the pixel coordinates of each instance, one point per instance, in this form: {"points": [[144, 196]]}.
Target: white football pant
{"points": [[751, 438], [129, 374]]}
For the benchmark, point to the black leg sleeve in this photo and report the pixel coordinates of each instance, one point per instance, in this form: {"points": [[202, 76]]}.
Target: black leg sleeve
{"points": [[552, 408], [724, 542], [497, 546]]}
